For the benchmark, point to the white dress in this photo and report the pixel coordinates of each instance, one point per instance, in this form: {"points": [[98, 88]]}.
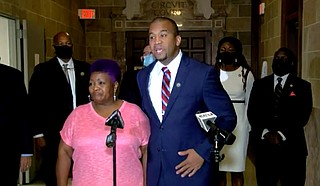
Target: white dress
{"points": [[235, 154]]}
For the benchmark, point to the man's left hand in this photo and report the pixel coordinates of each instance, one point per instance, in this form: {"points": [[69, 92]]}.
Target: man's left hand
{"points": [[191, 165]]}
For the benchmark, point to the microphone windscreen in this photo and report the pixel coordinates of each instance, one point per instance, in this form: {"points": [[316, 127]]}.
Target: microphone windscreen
{"points": [[115, 119]]}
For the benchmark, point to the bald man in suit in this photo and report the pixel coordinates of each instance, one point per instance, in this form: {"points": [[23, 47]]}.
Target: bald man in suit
{"points": [[54, 94], [278, 119], [179, 150]]}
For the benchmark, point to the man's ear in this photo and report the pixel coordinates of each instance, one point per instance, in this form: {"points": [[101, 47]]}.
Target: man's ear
{"points": [[178, 40]]}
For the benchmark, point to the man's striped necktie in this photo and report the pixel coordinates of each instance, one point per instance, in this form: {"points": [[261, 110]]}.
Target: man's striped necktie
{"points": [[165, 92]]}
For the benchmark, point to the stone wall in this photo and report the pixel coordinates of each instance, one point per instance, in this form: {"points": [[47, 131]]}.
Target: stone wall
{"points": [[310, 72], [270, 41], [53, 16], [270, 31]]}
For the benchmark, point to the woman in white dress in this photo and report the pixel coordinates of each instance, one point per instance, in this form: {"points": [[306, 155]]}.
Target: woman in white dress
{"points": [[237, 80]]}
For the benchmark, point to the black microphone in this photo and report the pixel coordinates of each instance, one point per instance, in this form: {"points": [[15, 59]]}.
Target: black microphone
{"points": [[115, 121], [223, 136], [217, 136]]}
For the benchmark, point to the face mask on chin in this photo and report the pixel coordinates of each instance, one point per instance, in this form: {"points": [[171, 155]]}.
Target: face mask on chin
{"points": [[63, 52], [280, 67], [227, 58], [148, 59]]}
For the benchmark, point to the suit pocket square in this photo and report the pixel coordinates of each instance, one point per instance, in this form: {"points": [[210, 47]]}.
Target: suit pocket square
{"points": [[292, 94]]}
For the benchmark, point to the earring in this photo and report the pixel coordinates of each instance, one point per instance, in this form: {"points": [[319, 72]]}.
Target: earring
{"points": [[219, 61], [114, 91], [90, 98], [236, 60]]}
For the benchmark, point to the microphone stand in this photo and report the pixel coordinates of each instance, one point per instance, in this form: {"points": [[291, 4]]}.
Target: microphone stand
{"points": [[115, 121], [215, 157], [111, 143], [218, 138]]}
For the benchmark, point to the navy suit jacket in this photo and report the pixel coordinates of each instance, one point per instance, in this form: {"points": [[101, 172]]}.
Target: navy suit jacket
{"points": [[51, 98], [16, 137], [295, 107], [197, 87]]}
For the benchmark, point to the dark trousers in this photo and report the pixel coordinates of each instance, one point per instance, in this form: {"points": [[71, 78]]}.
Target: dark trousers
{"points": [[10, 170], [275, 163], [48, 167]]}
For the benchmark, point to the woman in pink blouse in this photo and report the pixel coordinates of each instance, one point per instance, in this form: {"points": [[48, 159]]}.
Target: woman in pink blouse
{"points": [[83, 136]]}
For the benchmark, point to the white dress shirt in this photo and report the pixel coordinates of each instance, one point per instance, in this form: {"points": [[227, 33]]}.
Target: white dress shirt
{"points": [[275, 82], [155, 82], [72, 78]]}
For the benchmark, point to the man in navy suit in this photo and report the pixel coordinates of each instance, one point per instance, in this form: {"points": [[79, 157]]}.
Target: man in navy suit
{"points": [[278, 119], [16, 137], [179, 150], [54, 94]]}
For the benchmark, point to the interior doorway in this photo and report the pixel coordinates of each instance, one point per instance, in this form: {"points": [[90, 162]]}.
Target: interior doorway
{"points": [[196, 44], [291, 30], [8, 48]]}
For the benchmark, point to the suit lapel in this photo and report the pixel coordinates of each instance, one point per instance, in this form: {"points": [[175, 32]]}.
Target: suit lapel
{"points": [[60, 74], [77, 74], [145, 93], [288, 86], [182, 74]]}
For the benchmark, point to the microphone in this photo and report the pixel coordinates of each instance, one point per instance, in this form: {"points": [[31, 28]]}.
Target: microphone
{"points": [[115, 121], [207, 122], [218, 137], [223, 135]]}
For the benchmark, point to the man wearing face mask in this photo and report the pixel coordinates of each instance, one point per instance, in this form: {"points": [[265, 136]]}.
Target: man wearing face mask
{"points": [[279, 107], [129, 90], [56, 87]]}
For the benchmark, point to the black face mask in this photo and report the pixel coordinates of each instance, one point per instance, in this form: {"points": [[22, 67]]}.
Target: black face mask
{"points": [[63, 52], [227, 58], [281, 67]]}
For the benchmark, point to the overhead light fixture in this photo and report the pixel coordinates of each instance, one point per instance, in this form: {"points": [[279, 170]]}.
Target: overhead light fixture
{"points": [[176, 12]]}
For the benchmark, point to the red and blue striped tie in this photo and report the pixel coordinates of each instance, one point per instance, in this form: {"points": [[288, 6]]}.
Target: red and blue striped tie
{"points": [[165, 92]]}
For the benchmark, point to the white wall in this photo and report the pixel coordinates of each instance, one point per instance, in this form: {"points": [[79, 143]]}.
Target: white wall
{"points": [[4, 40]]}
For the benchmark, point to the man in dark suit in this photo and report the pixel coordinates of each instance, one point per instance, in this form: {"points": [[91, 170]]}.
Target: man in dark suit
{"points": [[179, 150], [278, 116], [54, 92], [16, 137]]}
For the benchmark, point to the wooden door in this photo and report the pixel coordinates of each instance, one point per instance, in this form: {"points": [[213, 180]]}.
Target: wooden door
{"points": [[136, 41], [196, 44], [291, 30]]}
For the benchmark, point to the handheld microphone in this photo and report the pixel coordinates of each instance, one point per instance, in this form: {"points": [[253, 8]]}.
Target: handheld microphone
{"points": [[207, 122], [218, 137], [115, 121]]}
